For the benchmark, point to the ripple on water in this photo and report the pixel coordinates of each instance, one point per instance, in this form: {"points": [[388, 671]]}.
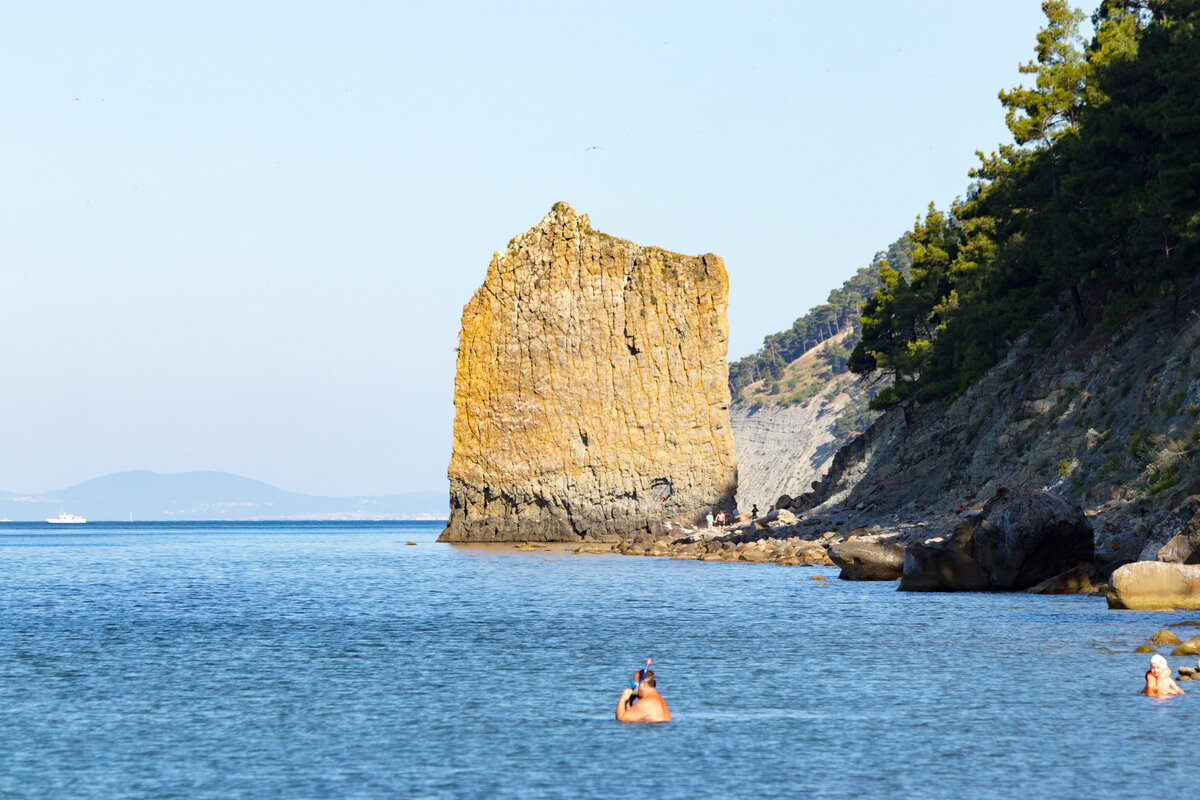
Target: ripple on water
{"points": [[334, 660]]}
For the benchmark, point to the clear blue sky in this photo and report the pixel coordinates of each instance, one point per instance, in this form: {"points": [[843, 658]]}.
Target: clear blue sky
{"points": [[239, 236]]}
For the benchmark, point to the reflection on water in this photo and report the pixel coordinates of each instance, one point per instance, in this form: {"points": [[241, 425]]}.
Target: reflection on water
{"points": [[331, 660]]}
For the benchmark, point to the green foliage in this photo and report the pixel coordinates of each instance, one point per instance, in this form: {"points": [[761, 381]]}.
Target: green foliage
{"points": [[1040, 115], [1064, 467], [1163, 481], [822, 323], [854, 419], [1097, 201], [1140, 443], [1173, 406]]}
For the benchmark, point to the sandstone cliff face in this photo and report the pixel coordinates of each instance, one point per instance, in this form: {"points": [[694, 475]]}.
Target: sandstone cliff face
{"points": [[591, 398]]}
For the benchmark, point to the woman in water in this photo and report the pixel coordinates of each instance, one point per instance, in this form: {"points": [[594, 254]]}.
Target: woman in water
{"points": [[1159, 682]]}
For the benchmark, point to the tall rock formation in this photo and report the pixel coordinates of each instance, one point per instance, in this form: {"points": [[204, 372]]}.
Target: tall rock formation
{"points": [[592, 396]]}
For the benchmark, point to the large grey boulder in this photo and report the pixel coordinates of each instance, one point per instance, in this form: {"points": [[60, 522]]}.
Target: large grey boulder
{"points": [[868, 560], [941, 569], [1025, 536], [1155, 586], [1021, 538]]}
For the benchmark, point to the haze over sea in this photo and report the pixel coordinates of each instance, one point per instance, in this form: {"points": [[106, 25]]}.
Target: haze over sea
{"points": [[291, 660]]}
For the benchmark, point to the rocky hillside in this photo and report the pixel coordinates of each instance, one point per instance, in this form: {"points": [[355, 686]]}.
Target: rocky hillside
{"points": [[794, 401], [786, 432], [1110, 419], [591, 396]]}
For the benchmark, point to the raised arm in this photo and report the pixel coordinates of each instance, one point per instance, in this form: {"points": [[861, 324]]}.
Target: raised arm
{"points": [[623, 704]]}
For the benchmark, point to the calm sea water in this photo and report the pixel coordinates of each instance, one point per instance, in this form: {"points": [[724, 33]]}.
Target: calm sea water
{"points": [[333, 660]]}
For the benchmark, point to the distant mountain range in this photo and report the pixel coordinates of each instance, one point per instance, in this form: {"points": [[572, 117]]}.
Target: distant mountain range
{"points": [[145, 495]]}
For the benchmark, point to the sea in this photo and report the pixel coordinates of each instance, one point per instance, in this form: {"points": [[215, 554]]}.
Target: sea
{"points": [[366, 660]]}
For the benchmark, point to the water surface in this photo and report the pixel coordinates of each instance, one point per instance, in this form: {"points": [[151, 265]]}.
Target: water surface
{"points": [[276, 660]]}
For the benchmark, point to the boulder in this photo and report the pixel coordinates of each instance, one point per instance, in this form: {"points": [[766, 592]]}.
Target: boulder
{"points": [[1189, 648], [1155, 586], [1025, 536], [1163, 637], [1076, 580], [941, 569], [868, 561]]}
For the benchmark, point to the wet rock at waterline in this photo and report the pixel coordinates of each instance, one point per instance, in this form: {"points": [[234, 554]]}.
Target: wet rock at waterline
{"points": [[1163, 637], [1155, 586], [1021, 538], [1077, 580], [930, 568], [868, 560]]}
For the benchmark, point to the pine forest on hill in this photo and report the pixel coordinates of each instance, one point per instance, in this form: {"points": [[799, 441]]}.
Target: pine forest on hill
{"points": [[769, 376], [1092, 214], [1094, 210]]}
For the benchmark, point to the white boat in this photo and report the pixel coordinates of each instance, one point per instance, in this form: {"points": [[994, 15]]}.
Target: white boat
{"points": [[68, 518]]}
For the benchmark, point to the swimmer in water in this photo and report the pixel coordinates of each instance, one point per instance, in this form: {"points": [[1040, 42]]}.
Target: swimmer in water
{"points": [[649, 707], [1159, 682]]}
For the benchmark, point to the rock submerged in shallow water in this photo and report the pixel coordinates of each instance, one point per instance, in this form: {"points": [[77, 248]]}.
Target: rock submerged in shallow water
{"points": [[941, 569], [1155, 586], [1145, 649], [868, 561], [1077, 580], [1189, 648], [1163, 637]]}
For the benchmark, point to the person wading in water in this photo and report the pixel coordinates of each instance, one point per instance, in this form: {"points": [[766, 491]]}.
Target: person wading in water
{"points": [[649, 705], [1159, 682]]}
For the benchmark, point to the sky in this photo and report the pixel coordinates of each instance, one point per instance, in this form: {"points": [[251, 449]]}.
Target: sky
{"points": [[239, 236]]}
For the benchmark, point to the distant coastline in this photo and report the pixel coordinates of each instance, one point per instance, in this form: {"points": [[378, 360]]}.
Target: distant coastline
{"points": [[148, 496]]}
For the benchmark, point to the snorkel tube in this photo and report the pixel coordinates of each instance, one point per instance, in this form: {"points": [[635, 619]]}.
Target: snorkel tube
{"points": [[637, 684]]}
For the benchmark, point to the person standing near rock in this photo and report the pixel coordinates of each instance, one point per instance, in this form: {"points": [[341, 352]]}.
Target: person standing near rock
{"points": [[709, 519], [650, 705], [1159, 682], [754, 512]]}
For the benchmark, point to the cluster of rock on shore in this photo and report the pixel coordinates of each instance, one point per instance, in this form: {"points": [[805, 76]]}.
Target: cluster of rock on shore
{"points": [[1022, 540]]}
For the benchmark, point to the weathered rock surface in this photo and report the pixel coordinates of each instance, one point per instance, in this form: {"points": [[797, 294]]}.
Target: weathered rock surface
{"points": [[1077, 580], [1189, 648], [1096, 415], [591, 398], [868, 561], [786, 448], [1024, 537], [1021, 538], [940, 569], [1163, 637], [1155, 586], [1181, 532]]}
